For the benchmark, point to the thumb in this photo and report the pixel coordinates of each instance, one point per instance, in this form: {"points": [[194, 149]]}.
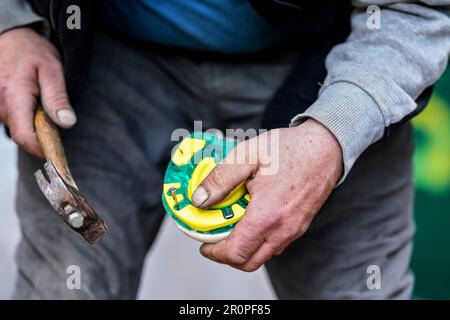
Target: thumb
{"points": [[220, 182], [54, 98]]}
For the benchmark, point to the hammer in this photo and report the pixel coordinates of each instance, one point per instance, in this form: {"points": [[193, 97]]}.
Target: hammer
{"points": [[60, 188]]}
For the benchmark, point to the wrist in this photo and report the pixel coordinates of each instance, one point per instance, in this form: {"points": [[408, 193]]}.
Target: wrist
{"points": [[327, 145]]}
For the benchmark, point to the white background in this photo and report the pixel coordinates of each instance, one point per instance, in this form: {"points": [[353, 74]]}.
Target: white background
{"points": [[174, 269]]}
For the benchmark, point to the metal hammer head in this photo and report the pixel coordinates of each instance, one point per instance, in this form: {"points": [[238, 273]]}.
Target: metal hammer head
{"points": [[70, 205]]}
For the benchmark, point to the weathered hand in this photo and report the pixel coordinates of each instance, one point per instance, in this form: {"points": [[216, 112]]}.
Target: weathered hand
{"points": [[283, 203], [30, 67]]}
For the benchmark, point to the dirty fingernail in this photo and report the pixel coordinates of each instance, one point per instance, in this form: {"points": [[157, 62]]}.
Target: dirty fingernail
{"points": [[199, 196], [203, 250], [67, 117]]}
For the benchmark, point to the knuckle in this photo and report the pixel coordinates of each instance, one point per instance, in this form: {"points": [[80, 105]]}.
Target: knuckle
{"points": [[210, 256], [37, 60], [292, 231], [252, 267], [56, 99], [47, 57], [18, 136], [286, 207], [217, 181], [52, 67], [274, 218], [26, 84], [50, 51], [256, 232], [272, 246], [218, 177], [301, 229], [278, 252], [237, 256]]}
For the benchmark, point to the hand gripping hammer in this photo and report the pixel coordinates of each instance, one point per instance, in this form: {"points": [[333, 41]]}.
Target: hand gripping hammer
{"points": [[60, 188]]}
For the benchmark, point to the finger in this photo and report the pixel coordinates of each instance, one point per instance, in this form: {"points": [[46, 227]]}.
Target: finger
{"points": [[276, 242], [264, 254], [20, 122], [279, 252], [222, 180], [54, 98], [243, 242]]}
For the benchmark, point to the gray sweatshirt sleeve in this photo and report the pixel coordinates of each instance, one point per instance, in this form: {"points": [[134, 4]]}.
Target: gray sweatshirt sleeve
{"points": [[16, 13], [374, 77]]}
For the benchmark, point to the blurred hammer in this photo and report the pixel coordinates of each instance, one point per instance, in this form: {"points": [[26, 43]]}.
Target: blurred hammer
{"points": [[60, 188]]}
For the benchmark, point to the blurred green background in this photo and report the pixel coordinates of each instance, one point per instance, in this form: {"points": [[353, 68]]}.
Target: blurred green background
{"points": [[431, 257]]}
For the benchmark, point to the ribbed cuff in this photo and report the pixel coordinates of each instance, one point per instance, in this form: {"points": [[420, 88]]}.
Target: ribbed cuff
{"points": [[351, 115], [17, 15]]}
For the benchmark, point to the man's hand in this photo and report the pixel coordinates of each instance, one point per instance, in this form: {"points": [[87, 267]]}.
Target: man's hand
{"points": [[282, 204], [30, 67]]}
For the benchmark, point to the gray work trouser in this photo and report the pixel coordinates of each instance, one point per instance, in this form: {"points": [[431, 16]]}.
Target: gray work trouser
{"points": [[118, 151]]}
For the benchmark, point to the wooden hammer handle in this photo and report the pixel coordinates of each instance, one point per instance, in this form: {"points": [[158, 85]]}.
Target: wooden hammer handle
{"points": [[51, 144]]}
